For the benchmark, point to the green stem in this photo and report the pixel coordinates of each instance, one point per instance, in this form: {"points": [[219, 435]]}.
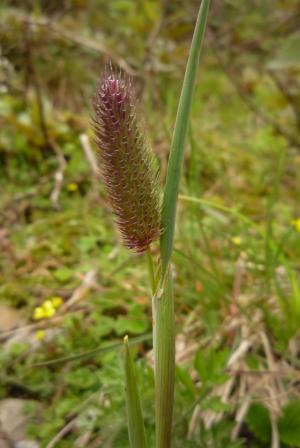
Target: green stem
{"points": [[163, 301], [164, 354], [136, 428], [151, 270]]}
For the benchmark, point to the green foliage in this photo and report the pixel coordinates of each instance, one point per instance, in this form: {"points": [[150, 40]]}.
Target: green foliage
{"points": [[289, 424], [63, 275], [136, 428], [259, 422], [179, 139], [186, 381], [238, 201], [218, 436], [210, 366]]}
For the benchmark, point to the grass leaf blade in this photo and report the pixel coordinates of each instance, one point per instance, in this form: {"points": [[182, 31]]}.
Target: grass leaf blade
{"points": [[179, 139], [136, 428]]}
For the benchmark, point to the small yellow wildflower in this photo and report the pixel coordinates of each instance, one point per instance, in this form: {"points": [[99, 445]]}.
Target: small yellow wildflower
{"points": [[49, 312], [236, 240], [48, 308], [296, 224], [40, 335], [38, 313], [56, 301], [72, 187]]}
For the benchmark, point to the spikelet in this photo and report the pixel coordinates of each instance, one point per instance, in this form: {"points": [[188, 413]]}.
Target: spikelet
{"points": [[125, 162]]}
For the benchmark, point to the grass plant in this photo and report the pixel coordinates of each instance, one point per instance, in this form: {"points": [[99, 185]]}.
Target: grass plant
{"points": [[231, 273], [126, 170]]}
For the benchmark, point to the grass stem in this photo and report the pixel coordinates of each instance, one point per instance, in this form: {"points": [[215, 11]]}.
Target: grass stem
{"points": [[164, 352], [151, 270]]}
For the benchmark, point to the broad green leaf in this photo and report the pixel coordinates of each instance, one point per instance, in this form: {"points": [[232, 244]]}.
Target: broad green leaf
{"points": [[259, 422], [289, 424]]}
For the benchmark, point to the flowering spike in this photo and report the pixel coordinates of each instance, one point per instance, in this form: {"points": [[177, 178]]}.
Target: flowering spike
{"points": [[126, 163]]}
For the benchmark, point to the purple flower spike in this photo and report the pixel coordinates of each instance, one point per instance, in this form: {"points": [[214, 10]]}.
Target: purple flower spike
{"points": [[126, 163]]}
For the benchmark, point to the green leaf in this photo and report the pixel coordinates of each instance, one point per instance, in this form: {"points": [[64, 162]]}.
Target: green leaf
{"points": [[136, 428], [259, 422], [83, 378], [91, 353], [289, 424], [179, 140], [211, 365], [87, 243], [63, 275], [295, 299], [128, 324], [164, 331], [215, 404], [186, 380]]}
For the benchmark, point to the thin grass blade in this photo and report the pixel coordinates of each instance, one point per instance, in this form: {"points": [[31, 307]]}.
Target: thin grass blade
{"points": [[136, 428], [89, 354], [179, 139]]}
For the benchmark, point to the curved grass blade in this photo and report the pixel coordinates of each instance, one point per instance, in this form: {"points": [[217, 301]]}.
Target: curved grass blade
{"points": [[91, 353], [212, 204], [179, 139], [136, 428]]}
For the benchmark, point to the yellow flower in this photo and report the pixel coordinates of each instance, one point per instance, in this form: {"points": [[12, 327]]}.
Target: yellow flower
{"points": [[56, 301], [72, 186], [296, 224], [38, 313], [50, 312], [45, 311], [47, 304], [48, 308], [40, 335], [236, 240]]}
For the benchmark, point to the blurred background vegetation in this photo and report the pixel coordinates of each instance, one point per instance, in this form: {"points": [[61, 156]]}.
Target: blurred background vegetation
{"points": [[66, 284]]}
